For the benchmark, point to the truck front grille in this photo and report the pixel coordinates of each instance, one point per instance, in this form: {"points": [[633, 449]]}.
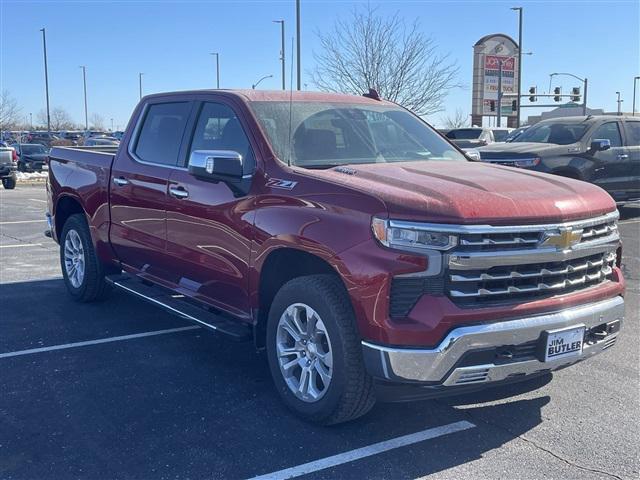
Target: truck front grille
{"points": [[497, 265]]}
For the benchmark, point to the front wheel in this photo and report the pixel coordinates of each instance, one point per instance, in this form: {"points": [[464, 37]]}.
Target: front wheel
{"points": [[314, 351], [82, 271]]}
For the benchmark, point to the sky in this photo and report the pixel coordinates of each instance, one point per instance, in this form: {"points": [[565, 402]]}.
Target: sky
{"points": [[171, 41]]}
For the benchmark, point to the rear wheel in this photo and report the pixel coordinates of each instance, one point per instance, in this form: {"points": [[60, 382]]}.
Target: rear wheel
{"points": [[9, 182], [82, 271], [314, 351]]}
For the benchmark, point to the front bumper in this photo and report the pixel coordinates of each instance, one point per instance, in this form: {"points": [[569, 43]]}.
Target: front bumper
{"points": [[495, 352]]}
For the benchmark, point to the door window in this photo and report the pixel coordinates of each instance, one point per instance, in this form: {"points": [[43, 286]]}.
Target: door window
{"points": [[608, 131], [633, 132], [218, 128], [161, 133]]}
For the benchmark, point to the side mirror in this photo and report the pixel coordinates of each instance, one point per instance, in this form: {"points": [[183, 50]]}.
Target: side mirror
{"points": [[216, 165], [600, 145]]}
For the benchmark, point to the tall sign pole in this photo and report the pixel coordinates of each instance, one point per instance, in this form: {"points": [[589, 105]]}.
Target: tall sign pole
{"points": [[519, 10], [46, 77], [299, 77]]}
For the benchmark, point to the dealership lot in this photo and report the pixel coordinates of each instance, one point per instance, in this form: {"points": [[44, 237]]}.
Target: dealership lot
{"points": [[120, 389]]}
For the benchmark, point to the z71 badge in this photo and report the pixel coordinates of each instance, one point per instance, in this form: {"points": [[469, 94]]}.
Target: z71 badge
{"points": [[280, 183]]}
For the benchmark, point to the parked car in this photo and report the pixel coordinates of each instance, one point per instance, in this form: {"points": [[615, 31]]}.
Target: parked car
{"points": [[74, 137], [364, 252], [32, 157], [8, 160], [43, 138], [118, 135], [604, 150], [101, 141], [470, 137]]}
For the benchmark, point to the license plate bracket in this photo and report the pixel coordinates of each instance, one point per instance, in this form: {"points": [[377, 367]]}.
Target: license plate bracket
{"points": [[562, 343]]}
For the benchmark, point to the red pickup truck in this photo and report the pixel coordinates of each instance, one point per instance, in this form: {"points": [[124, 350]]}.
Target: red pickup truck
{"points": [[362, 250]]}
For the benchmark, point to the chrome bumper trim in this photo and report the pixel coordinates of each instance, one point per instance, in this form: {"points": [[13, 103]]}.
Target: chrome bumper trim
{"points": [[437, 365]]}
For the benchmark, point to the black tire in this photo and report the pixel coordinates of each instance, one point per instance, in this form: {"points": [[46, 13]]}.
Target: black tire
{"points": [[22, 167], [350, 392], [9, 182], [93, 286]]}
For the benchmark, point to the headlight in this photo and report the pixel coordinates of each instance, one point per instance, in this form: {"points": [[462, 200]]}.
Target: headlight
{"points": [[527, 162], [411, 236]]}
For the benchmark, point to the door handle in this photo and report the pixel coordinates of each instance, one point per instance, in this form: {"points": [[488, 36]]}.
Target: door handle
{"points": [[622, 156], [178, 192], [120, 181]]}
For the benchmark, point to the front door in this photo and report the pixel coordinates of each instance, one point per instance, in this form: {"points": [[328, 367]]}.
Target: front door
{"points": [[209, 224], [610, 165], [139, 185]]}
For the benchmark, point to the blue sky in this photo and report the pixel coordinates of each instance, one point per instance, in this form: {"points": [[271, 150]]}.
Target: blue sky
{"points": [[170, 42]]}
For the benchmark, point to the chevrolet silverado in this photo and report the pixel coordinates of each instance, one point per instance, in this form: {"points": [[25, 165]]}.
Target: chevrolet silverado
{"points": [[366, 254]]}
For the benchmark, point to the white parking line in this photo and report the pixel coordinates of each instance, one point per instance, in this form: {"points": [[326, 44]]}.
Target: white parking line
{"points": [[23, 221], [629, 221], [37, 200], [367, 451], [22, 245], [96, 342]]}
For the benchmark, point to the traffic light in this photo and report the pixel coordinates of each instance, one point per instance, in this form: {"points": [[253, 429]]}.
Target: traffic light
{"points": [[575, 94], [514, 105], [532, 94], [492, 105], [557, 92]]}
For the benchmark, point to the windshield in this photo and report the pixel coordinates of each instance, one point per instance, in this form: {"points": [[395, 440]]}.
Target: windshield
{"points": [[329, 134], [33, 149], [465, 134], [553, 132]]}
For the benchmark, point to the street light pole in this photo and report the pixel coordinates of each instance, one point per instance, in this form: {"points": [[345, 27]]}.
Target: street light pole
{"points": [[519, 10], [299, 82], [281, 22], [84, 81], [31, 120], [46, 77], [619, 103], [635, 79], [217, 55], [258, 82], [585, 84]]}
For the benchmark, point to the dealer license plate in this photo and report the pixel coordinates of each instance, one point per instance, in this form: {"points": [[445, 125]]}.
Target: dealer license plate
{"points": [[563, 343]]}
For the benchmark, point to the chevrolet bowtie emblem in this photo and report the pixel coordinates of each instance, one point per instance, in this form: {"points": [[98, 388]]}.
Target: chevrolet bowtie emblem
{"points": [[562, 239]]}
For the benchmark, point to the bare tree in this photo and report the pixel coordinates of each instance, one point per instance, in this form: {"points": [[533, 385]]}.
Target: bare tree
{"points": [[96, 122], [9, 111], [368, 50], [457, 120], [60, 119]]}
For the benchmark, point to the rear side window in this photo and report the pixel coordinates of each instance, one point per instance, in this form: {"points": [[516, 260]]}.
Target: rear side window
{"points": [[608, 131], [633, 132], [465, 134], [161, 133], [218, 128]]}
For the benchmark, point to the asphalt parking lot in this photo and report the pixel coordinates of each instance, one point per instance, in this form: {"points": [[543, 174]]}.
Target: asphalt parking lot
{"points": [[144, 397]]}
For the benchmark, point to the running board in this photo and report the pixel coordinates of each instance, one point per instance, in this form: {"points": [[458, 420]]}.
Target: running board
{"points": [[177, 304]]}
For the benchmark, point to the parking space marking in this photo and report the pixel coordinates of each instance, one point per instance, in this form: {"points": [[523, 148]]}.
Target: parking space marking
{"points": [[19, 245], [38, 200], [97, 342], [629, 221], [367, 451], [23, 221]]}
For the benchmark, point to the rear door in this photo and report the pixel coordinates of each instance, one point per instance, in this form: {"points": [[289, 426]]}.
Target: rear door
{"points": [[139, 183], [209, 225], [632, 149], [610, 165]]}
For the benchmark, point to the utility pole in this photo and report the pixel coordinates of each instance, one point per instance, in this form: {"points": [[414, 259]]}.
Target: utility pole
{"points": [[519, 10], [281, 22], [112, 125], [635, 79], [46, 77], [619, 103], [499, 106], [84, 81], [217, 55], [140, 83], [299, 82], [31, 120]]}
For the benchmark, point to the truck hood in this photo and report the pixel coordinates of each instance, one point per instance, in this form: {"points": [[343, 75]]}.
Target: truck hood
{"points": [[473, 192], [497, 150]]}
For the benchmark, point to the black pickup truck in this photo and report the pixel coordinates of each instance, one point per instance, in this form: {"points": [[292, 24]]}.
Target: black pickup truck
{"points": [[604, 150]]}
